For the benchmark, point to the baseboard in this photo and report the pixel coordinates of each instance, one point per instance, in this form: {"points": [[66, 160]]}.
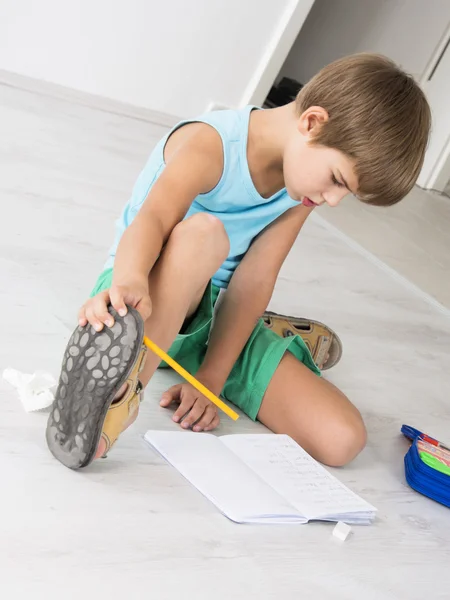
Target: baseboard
{"points": [[60, 92], [277, 49], [406, 283], [212, 106]]}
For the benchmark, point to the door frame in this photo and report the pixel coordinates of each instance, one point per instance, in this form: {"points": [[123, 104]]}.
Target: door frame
{"points": [[276, 52], [439, 175]]}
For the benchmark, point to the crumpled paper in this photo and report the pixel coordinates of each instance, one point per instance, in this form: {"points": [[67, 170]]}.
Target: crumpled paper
{"points": [[35, 390]]}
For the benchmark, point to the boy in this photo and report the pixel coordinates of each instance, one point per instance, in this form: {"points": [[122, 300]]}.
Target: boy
{"points": [[218, 206]]}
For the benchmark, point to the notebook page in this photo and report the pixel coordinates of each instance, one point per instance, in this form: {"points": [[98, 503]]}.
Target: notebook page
{"points": [[222, 477], [291, 471]]}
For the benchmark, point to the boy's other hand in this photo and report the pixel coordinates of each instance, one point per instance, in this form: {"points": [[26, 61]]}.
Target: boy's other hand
{"points": [[134, 293], [194, 410]]}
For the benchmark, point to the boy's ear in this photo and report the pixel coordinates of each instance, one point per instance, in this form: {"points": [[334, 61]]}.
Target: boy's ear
{"points": [[311, 121]]}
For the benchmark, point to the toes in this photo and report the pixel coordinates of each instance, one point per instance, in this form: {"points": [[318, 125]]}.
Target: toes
{"points": [[101, 449]]}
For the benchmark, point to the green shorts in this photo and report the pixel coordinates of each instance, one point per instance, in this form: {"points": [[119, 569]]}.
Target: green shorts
{"points": [[256, 365]]}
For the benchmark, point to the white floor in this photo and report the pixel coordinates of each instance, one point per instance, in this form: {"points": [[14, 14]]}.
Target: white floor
{"points": [[412, 237], [447, 188], [130, 525]]}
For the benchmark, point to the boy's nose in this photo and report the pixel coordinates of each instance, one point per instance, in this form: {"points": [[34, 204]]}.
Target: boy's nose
{"points": [[333, 198]]}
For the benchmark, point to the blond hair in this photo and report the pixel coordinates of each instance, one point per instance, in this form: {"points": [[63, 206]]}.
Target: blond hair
{"points": [[378, 117]]}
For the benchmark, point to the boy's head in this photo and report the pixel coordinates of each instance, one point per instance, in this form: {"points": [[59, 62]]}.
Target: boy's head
{"points": [[364, 125]]}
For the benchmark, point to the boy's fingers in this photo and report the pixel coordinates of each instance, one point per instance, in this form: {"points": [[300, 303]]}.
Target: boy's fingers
{"points": [[82, 320], [168, 397], [206, 419], [92, 318], [195, 414], [187, 402], [118, 302], [101, 311], [214, 423]]}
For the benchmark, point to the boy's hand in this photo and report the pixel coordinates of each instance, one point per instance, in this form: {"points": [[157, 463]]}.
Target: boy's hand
{"points": [[198, 412], [134, 293]]}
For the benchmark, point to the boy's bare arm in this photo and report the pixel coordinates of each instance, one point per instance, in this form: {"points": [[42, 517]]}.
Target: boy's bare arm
{"points": [[248, 296], [194, 167]]}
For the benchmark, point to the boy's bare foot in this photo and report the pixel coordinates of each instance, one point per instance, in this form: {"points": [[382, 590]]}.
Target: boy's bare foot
{"points": [[120, 394]]}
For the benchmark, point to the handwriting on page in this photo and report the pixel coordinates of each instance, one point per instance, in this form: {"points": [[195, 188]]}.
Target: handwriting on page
{"points": [[293, 473]]}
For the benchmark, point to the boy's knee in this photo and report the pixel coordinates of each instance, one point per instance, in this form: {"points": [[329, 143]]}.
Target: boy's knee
{"points": [[204, 231], [339, 443], [351, 439]]}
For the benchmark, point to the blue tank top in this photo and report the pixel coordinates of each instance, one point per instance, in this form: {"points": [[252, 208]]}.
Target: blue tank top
{"points": [[235, 200]]}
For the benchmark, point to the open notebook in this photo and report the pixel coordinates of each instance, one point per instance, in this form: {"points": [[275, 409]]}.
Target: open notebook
{"points": [[260, 478]]}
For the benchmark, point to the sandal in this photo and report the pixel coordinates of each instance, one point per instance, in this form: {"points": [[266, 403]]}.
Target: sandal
{"points": [[95, 367], [322, 342]]}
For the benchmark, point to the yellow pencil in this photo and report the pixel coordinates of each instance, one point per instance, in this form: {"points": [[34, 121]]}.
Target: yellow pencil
{"points": [[194, 382]]}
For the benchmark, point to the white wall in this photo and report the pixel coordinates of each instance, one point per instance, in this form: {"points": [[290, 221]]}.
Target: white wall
{"points": [[407, 31], [173, 56]]}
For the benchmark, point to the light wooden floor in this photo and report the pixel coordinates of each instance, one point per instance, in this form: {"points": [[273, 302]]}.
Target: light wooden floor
{"points": [[130, 526], [447, 189], [412, 237]]}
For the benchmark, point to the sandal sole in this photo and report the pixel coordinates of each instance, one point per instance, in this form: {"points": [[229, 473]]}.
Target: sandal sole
{"points": [[94, 368]]}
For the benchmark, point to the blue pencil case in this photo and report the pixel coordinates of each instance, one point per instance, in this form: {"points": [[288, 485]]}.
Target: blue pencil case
{"points": [[427, 466]]}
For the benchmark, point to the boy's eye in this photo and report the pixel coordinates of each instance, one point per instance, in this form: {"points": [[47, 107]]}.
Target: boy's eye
{"points": [[336, 182]]}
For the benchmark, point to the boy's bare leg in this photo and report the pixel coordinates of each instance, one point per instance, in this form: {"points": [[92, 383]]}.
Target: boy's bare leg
{"points": [[196, 248], [313, 412]]}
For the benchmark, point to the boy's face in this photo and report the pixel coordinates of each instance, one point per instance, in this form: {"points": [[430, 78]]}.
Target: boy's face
{"points": [[316, 174]]}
